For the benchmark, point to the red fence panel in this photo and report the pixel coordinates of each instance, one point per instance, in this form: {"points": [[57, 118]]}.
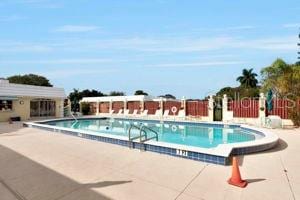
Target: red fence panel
{"points": [[247, 108], [104, 107], [151, 106], [93, 108], [281, 108], [133, 105], [117, 105], [169, 104], [197, 108]]}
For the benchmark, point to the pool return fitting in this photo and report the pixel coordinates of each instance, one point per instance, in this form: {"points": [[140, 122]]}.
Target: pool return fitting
{"points": [[236, 178]]}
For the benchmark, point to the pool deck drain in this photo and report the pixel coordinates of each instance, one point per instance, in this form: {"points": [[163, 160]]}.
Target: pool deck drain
{"points": [[41, 166]]}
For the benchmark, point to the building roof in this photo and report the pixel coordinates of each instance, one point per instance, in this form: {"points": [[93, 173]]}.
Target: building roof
{"points": [[124, 98], [19, 90], [116, 98]]}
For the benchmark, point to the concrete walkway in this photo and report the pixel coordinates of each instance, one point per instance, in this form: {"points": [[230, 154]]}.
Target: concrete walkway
{"points": [[41, 165]]}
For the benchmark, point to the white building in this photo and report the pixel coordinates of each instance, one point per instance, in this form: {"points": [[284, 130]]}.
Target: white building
{"points": [[30, 102]]}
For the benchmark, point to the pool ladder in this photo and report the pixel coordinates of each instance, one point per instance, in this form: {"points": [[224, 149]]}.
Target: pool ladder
{"points": [[142, 137]]}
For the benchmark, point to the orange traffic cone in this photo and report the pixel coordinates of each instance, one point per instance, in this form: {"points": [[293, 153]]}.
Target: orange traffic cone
{"points": [[236, 179]]}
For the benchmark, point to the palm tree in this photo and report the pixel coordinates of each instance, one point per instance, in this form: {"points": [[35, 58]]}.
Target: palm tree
{"points": [[248, 78]]}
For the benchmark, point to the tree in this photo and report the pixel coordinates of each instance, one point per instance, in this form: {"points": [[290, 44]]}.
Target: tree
{"points": [[248, 78], [235, 93], [168, 96], [30, 79], [77, 95], [92, 93], [116, 93], [274, 75], [284, 80], [140, 92]]}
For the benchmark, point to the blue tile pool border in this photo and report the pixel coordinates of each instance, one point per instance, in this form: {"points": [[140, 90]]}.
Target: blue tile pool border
{"points": [[187, 154], [220, 160]]}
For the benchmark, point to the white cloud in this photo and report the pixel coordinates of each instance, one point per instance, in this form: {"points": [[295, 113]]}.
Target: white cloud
{"points": [[199, 64], [76, 28], [51, 4], [244, 27], [42, 3], [149, 46], [168, 45], [33, 1], [291, 25], [179, 44], [12, 46], [65, 73], [59, 61], [284, 43], [10, 18]]}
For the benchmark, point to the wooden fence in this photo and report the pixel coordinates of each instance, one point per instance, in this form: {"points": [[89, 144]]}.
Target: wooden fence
{"points": [[133, 105], [151, 106], [104, 107], [247, 108], [93, 108], [281, 107], [117, 105], [168, 105], [197, 108]]}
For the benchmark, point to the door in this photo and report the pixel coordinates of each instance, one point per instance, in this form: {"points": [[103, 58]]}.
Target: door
{"points": [[42, 108]]}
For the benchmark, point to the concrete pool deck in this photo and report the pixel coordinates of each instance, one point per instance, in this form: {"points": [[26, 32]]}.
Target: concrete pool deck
{"points": [[37, 165]]}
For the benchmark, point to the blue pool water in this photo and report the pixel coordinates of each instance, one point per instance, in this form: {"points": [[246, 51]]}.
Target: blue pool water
{"points": [[197, 135]]}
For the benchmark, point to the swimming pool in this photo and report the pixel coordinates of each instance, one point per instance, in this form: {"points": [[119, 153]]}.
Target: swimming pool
{"points": [[197, 135], [209, 142]]}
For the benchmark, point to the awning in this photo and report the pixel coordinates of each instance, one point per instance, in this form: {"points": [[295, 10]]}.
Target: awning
{"points": [[8, 98]]}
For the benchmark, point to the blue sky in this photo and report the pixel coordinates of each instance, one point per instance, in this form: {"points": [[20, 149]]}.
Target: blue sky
{"points": [[186, 48]]}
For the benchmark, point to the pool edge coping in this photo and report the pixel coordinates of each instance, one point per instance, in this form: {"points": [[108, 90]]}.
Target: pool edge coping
{"points": [[223, 150]]}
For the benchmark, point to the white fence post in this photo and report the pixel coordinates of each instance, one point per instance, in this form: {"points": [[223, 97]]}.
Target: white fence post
{"points": [[211, 108], [124, 106], [225, 107], [183, 104], [262, 109], [97, 110], [142, 105], [110, 106]]}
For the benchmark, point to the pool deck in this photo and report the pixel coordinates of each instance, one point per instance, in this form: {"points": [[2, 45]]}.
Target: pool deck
{"points": [[37, 165]]}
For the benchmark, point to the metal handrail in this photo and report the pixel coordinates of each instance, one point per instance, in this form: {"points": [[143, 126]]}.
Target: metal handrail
{"points": [[129, 132], [76, 120], [150, 129], [142, 130], [72, 115]]}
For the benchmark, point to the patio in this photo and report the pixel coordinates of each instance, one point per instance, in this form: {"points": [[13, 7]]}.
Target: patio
{"points": [[40, 165]]}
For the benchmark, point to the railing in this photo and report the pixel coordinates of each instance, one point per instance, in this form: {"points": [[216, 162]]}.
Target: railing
{"points": [[142, 134], [71, 114], [151, 130]]}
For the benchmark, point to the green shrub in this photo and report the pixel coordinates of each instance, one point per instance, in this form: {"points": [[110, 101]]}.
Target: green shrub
{"points": [[85, 108]]}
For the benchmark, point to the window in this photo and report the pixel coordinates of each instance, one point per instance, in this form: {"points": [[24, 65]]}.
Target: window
{"points": [[5, 105]]}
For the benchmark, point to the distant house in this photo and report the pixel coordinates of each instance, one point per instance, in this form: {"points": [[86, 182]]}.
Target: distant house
{"points": [[30, 102]]}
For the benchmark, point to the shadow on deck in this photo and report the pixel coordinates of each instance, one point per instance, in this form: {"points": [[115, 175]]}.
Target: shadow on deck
{"points": [[26, 179]]}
